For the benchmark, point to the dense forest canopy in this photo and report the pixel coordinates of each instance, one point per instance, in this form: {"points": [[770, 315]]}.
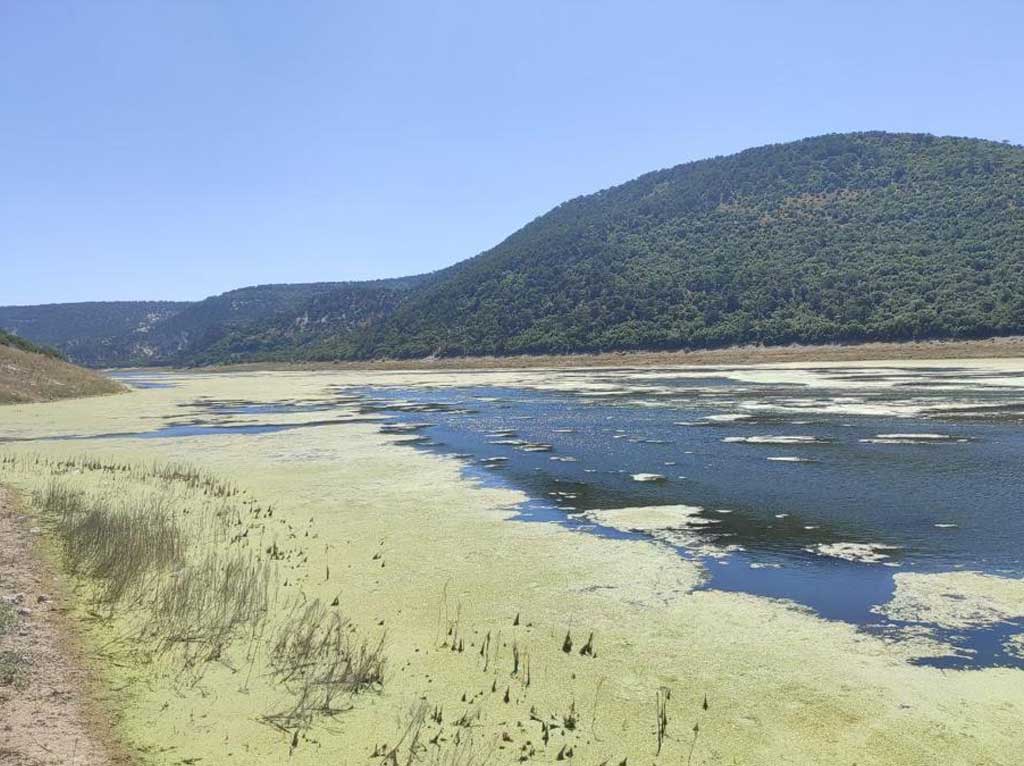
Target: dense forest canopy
{"points": [[851, 237]]}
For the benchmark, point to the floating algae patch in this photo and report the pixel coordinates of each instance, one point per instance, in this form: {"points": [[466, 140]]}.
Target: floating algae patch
{"points": [[867, 553], [648, 477], [915, 439], [1015, 646], [955, 600], [675, 525], [646, 518], [791, 440]]}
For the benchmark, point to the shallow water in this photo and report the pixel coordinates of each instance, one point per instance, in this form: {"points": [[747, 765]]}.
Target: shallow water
{"points": [[143, 380], [927, 504], [812, 485]]}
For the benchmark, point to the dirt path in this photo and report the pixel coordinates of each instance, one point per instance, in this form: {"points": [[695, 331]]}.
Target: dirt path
{"points": [[46, 715]]}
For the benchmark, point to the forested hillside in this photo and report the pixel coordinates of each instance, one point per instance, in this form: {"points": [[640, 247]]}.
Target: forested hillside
{"points": [[839, 238], [325, 323], [852, 237], [97, 334], [262, 321], [13, 341]]}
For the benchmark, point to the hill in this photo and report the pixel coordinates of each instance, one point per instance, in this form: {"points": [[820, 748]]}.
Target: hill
{"points": [[97, 334], [32, 374], [840, 238], [264, 321], [856, 237]]}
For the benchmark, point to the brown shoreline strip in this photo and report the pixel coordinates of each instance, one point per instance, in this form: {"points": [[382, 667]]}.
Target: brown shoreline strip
{"points": [[990, 348], [49, 716]]}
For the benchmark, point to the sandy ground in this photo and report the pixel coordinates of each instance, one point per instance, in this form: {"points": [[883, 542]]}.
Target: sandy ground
{"points": [[418, 553], [54, 719]]}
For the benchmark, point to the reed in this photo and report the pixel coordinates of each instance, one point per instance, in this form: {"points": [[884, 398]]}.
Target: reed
{"points": [[318, 657], [122, 550]]}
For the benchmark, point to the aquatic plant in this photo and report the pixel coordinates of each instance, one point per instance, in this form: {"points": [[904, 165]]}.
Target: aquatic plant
{"points": [[120, 549], [164, 551], [316, 656], [664, 694]]}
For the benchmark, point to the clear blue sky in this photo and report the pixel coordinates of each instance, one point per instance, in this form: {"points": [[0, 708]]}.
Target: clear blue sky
{"points": [[182, 148]]}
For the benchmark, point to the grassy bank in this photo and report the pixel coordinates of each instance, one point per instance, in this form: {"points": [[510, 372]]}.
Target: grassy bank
{"points": [[177, 572]]}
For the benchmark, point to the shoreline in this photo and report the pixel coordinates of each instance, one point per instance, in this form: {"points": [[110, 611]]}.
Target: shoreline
{"points": [[432, 556], [63, 710], [1010, 347]]}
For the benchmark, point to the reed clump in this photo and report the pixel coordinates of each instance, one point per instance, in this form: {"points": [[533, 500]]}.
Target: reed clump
{"points": [[185, 569], [317, 655], [200, 609], [122, 550]]}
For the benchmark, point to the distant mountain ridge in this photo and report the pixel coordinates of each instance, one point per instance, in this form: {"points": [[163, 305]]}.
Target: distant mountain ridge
{"points": [[96, 334], [844, 237], [246, 322]]}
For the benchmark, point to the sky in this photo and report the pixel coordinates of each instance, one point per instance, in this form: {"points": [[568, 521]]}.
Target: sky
{"points": [[178, 149]]}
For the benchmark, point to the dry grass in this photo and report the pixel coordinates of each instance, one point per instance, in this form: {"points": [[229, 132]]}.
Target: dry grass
{"points": [[7, 618], [29, 377], [122, 550], [14, 668], [201, 609], [144, 555]]}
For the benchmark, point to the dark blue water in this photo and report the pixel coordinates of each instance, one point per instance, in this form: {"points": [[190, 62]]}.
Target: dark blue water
{"points": [[851, 489]]}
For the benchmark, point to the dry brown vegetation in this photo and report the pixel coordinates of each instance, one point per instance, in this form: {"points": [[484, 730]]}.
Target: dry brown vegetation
{"points": [[30, 377]]}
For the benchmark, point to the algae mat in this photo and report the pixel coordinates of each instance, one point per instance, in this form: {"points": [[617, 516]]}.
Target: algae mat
{"points": [[521, 642]]}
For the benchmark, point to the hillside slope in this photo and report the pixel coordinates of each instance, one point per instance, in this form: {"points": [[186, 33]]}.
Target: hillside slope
{"points": [[840, 238], [855, 237], [263, 321], [31, 374], [97, 334], [325, 321]]}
